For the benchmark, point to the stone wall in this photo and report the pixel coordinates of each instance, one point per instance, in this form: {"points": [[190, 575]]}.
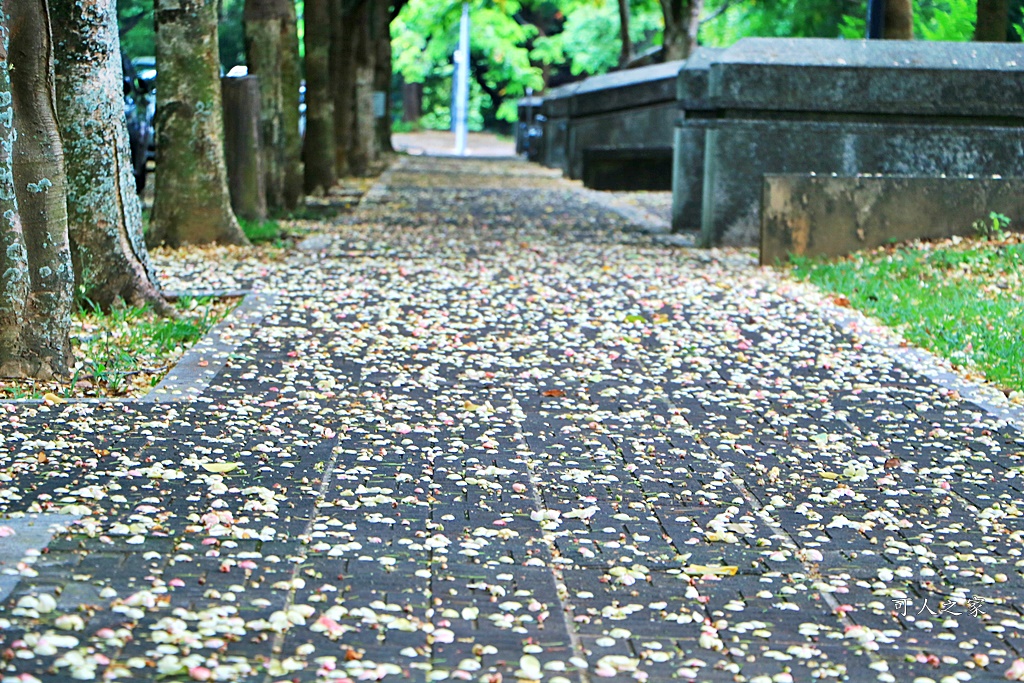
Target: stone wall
{"points": [[806, 215]]}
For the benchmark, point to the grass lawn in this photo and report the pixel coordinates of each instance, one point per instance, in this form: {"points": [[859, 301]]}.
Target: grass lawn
{"points": [[962, 299]]}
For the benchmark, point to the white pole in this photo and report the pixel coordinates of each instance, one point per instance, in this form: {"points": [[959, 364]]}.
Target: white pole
{"points": [[462, 83]]}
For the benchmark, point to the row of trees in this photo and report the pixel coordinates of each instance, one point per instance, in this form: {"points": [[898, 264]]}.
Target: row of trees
{"points": [[72, 222]]}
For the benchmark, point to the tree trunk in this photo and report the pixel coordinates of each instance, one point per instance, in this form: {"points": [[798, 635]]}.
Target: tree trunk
{"points": [[626, 55], [682, 21], [899, 20], [36, 342], [192, 203], [104, 212], [14, 272], [993, 21], [382, 76], [291, 82], [412, 102], [364, 145], [318, 151], [342, 56], [263, 55]]}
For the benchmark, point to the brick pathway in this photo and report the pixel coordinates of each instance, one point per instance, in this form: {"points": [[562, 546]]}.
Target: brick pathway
{"points": [[484, 432]]}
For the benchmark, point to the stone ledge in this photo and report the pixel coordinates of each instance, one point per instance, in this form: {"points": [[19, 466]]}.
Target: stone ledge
{"points": [[825, 215]]}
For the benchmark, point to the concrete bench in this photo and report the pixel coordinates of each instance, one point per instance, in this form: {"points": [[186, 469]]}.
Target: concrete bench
{"points": [[852, 107], [632, 110], [805, 215]]}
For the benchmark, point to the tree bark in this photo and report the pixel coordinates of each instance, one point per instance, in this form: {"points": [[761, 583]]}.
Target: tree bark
{"points": [[993, 21], [263, 55], [291, 82], [318, 151], [682, 21], [342, 57], [412, 102], [36, 344], [364, 144], [14, 272], [382, 75], [108, 249], [626, 54], [899, 20], [192, 203]]}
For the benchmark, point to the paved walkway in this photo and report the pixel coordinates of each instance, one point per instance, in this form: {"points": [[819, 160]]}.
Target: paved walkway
{"points": [[442, 143], [485, 432]]}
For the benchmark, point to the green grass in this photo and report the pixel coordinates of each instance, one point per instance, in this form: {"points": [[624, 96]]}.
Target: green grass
{"points": [[133, 341], [126, 350], [262, 231], [961, 299]]}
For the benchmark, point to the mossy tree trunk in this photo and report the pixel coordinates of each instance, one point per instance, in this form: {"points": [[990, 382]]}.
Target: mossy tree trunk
{"points": [[344, 28], [291, 82], [36, 276], [899, 20], [14, 275], [993, 21], [318, 147], [263, 55], [682, 21], [382, 75], [364, 143], [192, 204], [104, 213]]}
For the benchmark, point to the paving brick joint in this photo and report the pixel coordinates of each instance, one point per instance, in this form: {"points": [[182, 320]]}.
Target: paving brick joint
{"points": [[486, 429]]}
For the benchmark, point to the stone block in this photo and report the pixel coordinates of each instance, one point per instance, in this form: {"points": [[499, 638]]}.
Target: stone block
{"points": [[626, 89], [806, 215], [852, 107], [527, 108], [555, 126], [688, 144], [740, 153], [923, 78]]}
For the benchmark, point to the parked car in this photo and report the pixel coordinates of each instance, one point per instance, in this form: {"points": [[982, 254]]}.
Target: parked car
{"points": [[138, 111], [145, 68]]}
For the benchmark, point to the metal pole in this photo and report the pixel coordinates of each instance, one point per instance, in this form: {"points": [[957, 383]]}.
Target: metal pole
{"points": [[876, 19], [462, 83]]}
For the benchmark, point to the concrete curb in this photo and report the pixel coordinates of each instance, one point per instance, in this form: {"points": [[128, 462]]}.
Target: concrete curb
{"points": [[192, 374], [645, 221], [879, 338]]}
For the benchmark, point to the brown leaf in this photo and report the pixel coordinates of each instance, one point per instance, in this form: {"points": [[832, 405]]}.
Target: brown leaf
{"points": [[555, 393], [892, 463], [840, 300]]}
